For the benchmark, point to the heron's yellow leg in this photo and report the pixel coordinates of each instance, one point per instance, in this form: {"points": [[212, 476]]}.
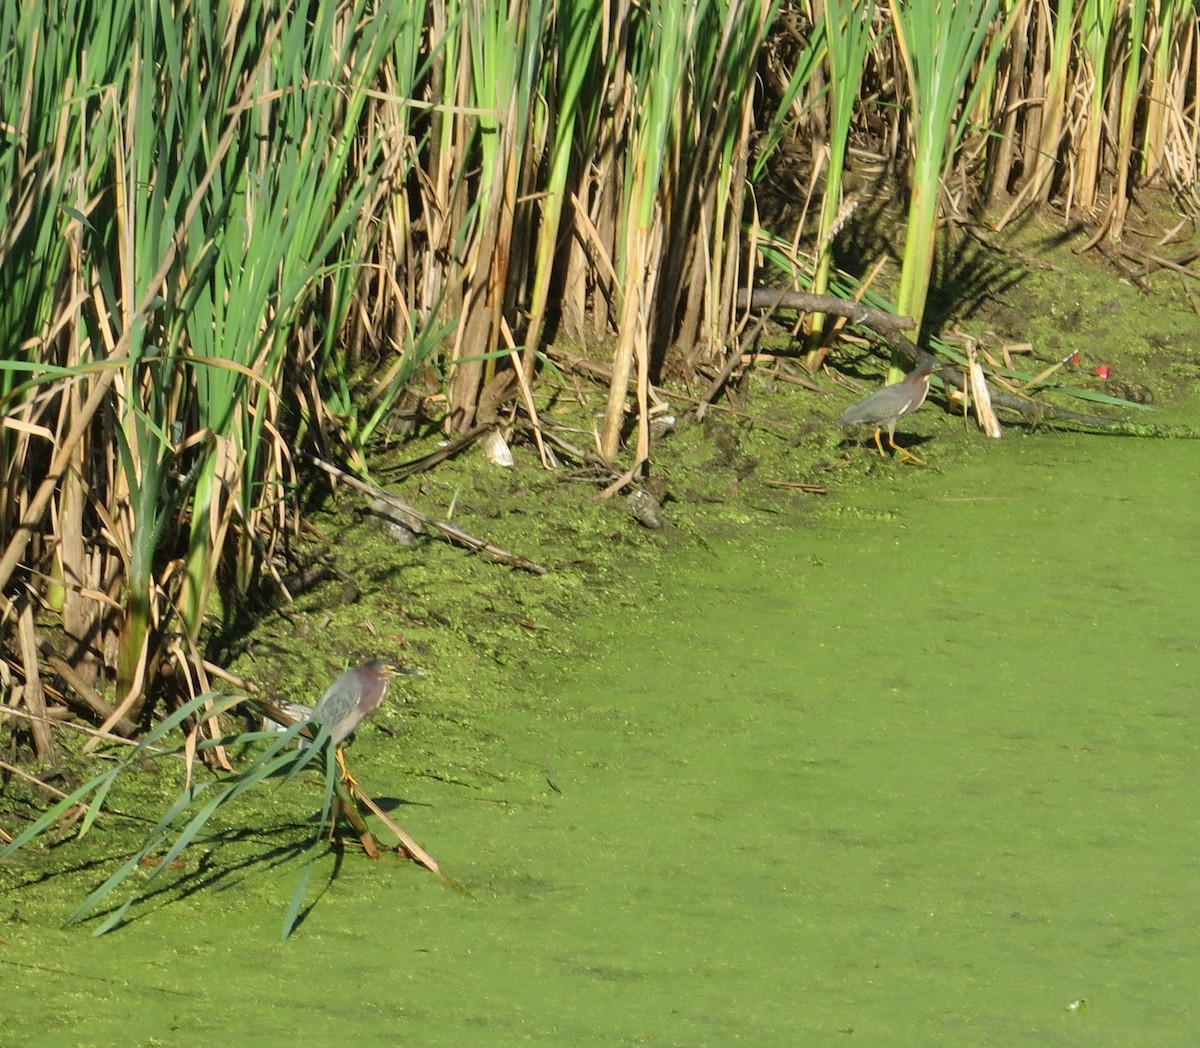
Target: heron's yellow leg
{"points": [[904, 453], [350, 781], [882, 453]]}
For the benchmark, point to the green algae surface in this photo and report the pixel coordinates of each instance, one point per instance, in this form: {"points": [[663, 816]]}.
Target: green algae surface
{"points": [[919, 768]]}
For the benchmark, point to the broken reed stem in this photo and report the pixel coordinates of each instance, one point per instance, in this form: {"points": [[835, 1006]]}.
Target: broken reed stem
{"points": [[32, 694]]}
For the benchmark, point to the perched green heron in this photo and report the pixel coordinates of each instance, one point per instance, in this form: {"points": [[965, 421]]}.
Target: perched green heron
{"points": [[885, 407], [355, 695]]}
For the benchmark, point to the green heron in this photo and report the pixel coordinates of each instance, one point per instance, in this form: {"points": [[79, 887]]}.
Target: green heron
{"points": [[885, 407], [355, 695]]}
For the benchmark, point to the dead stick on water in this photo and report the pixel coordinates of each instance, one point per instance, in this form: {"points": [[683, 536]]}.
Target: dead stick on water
{"points": [[418, 853], [397, 509], [427, 462], [812, 489], [33, 780]]}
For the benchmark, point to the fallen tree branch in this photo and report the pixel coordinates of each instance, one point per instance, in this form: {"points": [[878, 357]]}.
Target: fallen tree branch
{"points": [[434, 458], [408, 516], [770, 299]]}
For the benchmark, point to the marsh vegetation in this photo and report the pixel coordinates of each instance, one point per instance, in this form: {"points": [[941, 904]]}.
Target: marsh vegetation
{"points": [[242, 240]]}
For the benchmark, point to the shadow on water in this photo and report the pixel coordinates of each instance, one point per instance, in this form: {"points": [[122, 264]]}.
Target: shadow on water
{"points": [[922, 771]]}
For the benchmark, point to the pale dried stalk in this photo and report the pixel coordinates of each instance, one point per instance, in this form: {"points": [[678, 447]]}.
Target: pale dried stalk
{"points": [[32, 694], [981, 395]]}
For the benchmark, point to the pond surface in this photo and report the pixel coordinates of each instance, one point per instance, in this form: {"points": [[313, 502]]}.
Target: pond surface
{"points": [[922, 769]]}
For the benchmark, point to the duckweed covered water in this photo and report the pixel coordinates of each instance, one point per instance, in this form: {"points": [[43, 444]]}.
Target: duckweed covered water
{"points": [[923, 771]]}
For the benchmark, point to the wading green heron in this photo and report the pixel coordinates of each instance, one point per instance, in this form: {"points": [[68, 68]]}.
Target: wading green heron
{"points": [[356, 694], [885, 407]]}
